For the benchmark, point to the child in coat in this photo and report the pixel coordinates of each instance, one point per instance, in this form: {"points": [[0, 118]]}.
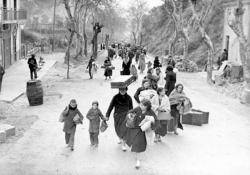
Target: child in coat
{"points": [[94, 115]]}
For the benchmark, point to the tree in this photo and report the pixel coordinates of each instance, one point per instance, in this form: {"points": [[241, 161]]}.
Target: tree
{"points": [[136, 12], [236, 24], [200, 11], [175, 11], [71, 16]]}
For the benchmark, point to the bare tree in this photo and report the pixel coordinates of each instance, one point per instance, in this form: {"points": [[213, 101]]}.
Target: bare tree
{"points": [[236, 24], [136, 12], [175, 11], [198, 21]]}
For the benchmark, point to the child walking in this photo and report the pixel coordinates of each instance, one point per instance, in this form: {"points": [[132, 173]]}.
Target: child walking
{"points": [[94, 115]]}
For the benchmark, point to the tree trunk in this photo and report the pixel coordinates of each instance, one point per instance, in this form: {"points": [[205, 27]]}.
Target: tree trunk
{"points": [[67, 54]]}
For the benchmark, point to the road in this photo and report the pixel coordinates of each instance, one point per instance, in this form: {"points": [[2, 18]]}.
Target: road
{"points": [[221, 147]]}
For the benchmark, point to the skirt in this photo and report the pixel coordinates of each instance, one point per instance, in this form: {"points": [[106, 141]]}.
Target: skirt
{"points": [[136, 139], [108, 72], [176, 115], [161, 127], [120, 125]]}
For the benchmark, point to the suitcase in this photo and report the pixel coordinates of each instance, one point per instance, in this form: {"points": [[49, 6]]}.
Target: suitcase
{"points": [[205, 116], [195, 117], [122, 81]]}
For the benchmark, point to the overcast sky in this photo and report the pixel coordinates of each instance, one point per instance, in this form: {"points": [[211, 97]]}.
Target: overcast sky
{"points": [[150, 3]]}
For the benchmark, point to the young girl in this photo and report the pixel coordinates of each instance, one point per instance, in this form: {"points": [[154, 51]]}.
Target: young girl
{"points": [[94, 115]]}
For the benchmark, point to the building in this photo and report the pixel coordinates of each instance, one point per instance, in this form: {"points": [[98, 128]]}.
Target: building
{"points": [[11, 20], [230, 40]]}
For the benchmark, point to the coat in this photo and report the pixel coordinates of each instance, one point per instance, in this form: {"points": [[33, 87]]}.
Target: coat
{"points": [[126, 67], [135, 137], [108, 70], [94, 116], [165, 104], [170, 82], [122, 104], [69, 124], [157, 63], [32, 63]]}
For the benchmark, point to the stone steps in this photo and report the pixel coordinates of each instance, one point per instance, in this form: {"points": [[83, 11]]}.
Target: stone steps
{"points": [[6, 131]]}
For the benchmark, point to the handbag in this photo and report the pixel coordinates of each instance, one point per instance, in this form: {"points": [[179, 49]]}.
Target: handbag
{"points": [[164, 116], [103, 126]]}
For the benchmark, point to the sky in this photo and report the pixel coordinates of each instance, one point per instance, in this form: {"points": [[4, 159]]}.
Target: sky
{"points": [[151, 3]]}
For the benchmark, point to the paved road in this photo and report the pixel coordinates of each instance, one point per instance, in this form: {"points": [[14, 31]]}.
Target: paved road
{"points": [[221, 147]]}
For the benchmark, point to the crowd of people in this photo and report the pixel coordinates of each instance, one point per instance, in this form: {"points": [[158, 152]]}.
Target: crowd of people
{"points": [[159, 100]]}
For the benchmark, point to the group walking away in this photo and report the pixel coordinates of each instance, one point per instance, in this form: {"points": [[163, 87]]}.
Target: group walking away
{"points": [[160, 103]]}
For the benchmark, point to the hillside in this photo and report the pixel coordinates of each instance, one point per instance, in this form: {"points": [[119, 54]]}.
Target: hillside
{"points": [[157, 30]]}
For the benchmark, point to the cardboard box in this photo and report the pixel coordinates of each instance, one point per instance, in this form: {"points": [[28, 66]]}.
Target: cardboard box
{"points": [[122, 81], [195, 117], [8, 129]]}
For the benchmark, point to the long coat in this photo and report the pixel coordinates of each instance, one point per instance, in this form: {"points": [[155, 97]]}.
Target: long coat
{"points": [[170, 82], [122, 104], [126, 67], [135, 137], [161, 125], [94, 116], [69, 124], [108, 70]]}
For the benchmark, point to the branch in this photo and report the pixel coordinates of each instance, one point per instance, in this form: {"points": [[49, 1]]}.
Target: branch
{"points": [[205, 13]]}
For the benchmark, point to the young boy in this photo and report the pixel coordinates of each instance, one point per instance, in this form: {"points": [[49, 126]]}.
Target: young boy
{"points": [[94, 115]]}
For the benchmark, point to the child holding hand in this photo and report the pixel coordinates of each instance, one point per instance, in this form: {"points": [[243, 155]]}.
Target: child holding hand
{"points": [[94, 115]]}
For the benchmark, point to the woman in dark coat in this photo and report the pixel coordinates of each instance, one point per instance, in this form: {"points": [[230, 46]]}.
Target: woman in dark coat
{"points": [[135, 137], [122, 103], [170, 80], [126, 64], [157, 62], [108, 70], [69, 128]]}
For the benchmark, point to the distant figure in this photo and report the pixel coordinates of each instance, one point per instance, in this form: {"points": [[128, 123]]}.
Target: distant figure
{"points": [[33, 66], [171, 61], [170, 80], [161, 82], [108, 71], [142, 63], [222, 58], [157, 62], [149, 65], [90, 67], [126, 64], [2, 72], [153, 79]]}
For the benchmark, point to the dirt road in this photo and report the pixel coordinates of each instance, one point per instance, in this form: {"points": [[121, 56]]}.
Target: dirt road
{"points": [[221, 147]]}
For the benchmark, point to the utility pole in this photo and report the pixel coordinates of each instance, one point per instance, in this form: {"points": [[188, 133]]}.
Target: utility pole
{"points": [[54, 20]]}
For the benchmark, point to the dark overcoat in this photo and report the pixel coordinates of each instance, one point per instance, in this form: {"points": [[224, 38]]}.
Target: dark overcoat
{"points": [[122, 104], [170, 82]]}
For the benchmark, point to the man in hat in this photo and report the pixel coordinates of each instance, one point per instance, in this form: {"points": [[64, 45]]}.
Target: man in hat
{"points": [[2, 72], [122, 103], [33, 66]]}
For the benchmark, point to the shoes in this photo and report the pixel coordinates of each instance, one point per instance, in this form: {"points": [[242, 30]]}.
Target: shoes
{"points": [[72, 148], [138, 164], [156, 140], [159, 139], [176, 133], [124, 148]]}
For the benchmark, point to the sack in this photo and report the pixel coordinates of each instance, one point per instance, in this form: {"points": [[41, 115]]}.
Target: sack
{"points": [[147, 123], [130, 120], [164, 116], [103, 126], [77, 119], [61, 118]]}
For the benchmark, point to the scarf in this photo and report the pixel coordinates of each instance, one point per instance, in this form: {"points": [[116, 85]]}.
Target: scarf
{"points": [[176, 97]]}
